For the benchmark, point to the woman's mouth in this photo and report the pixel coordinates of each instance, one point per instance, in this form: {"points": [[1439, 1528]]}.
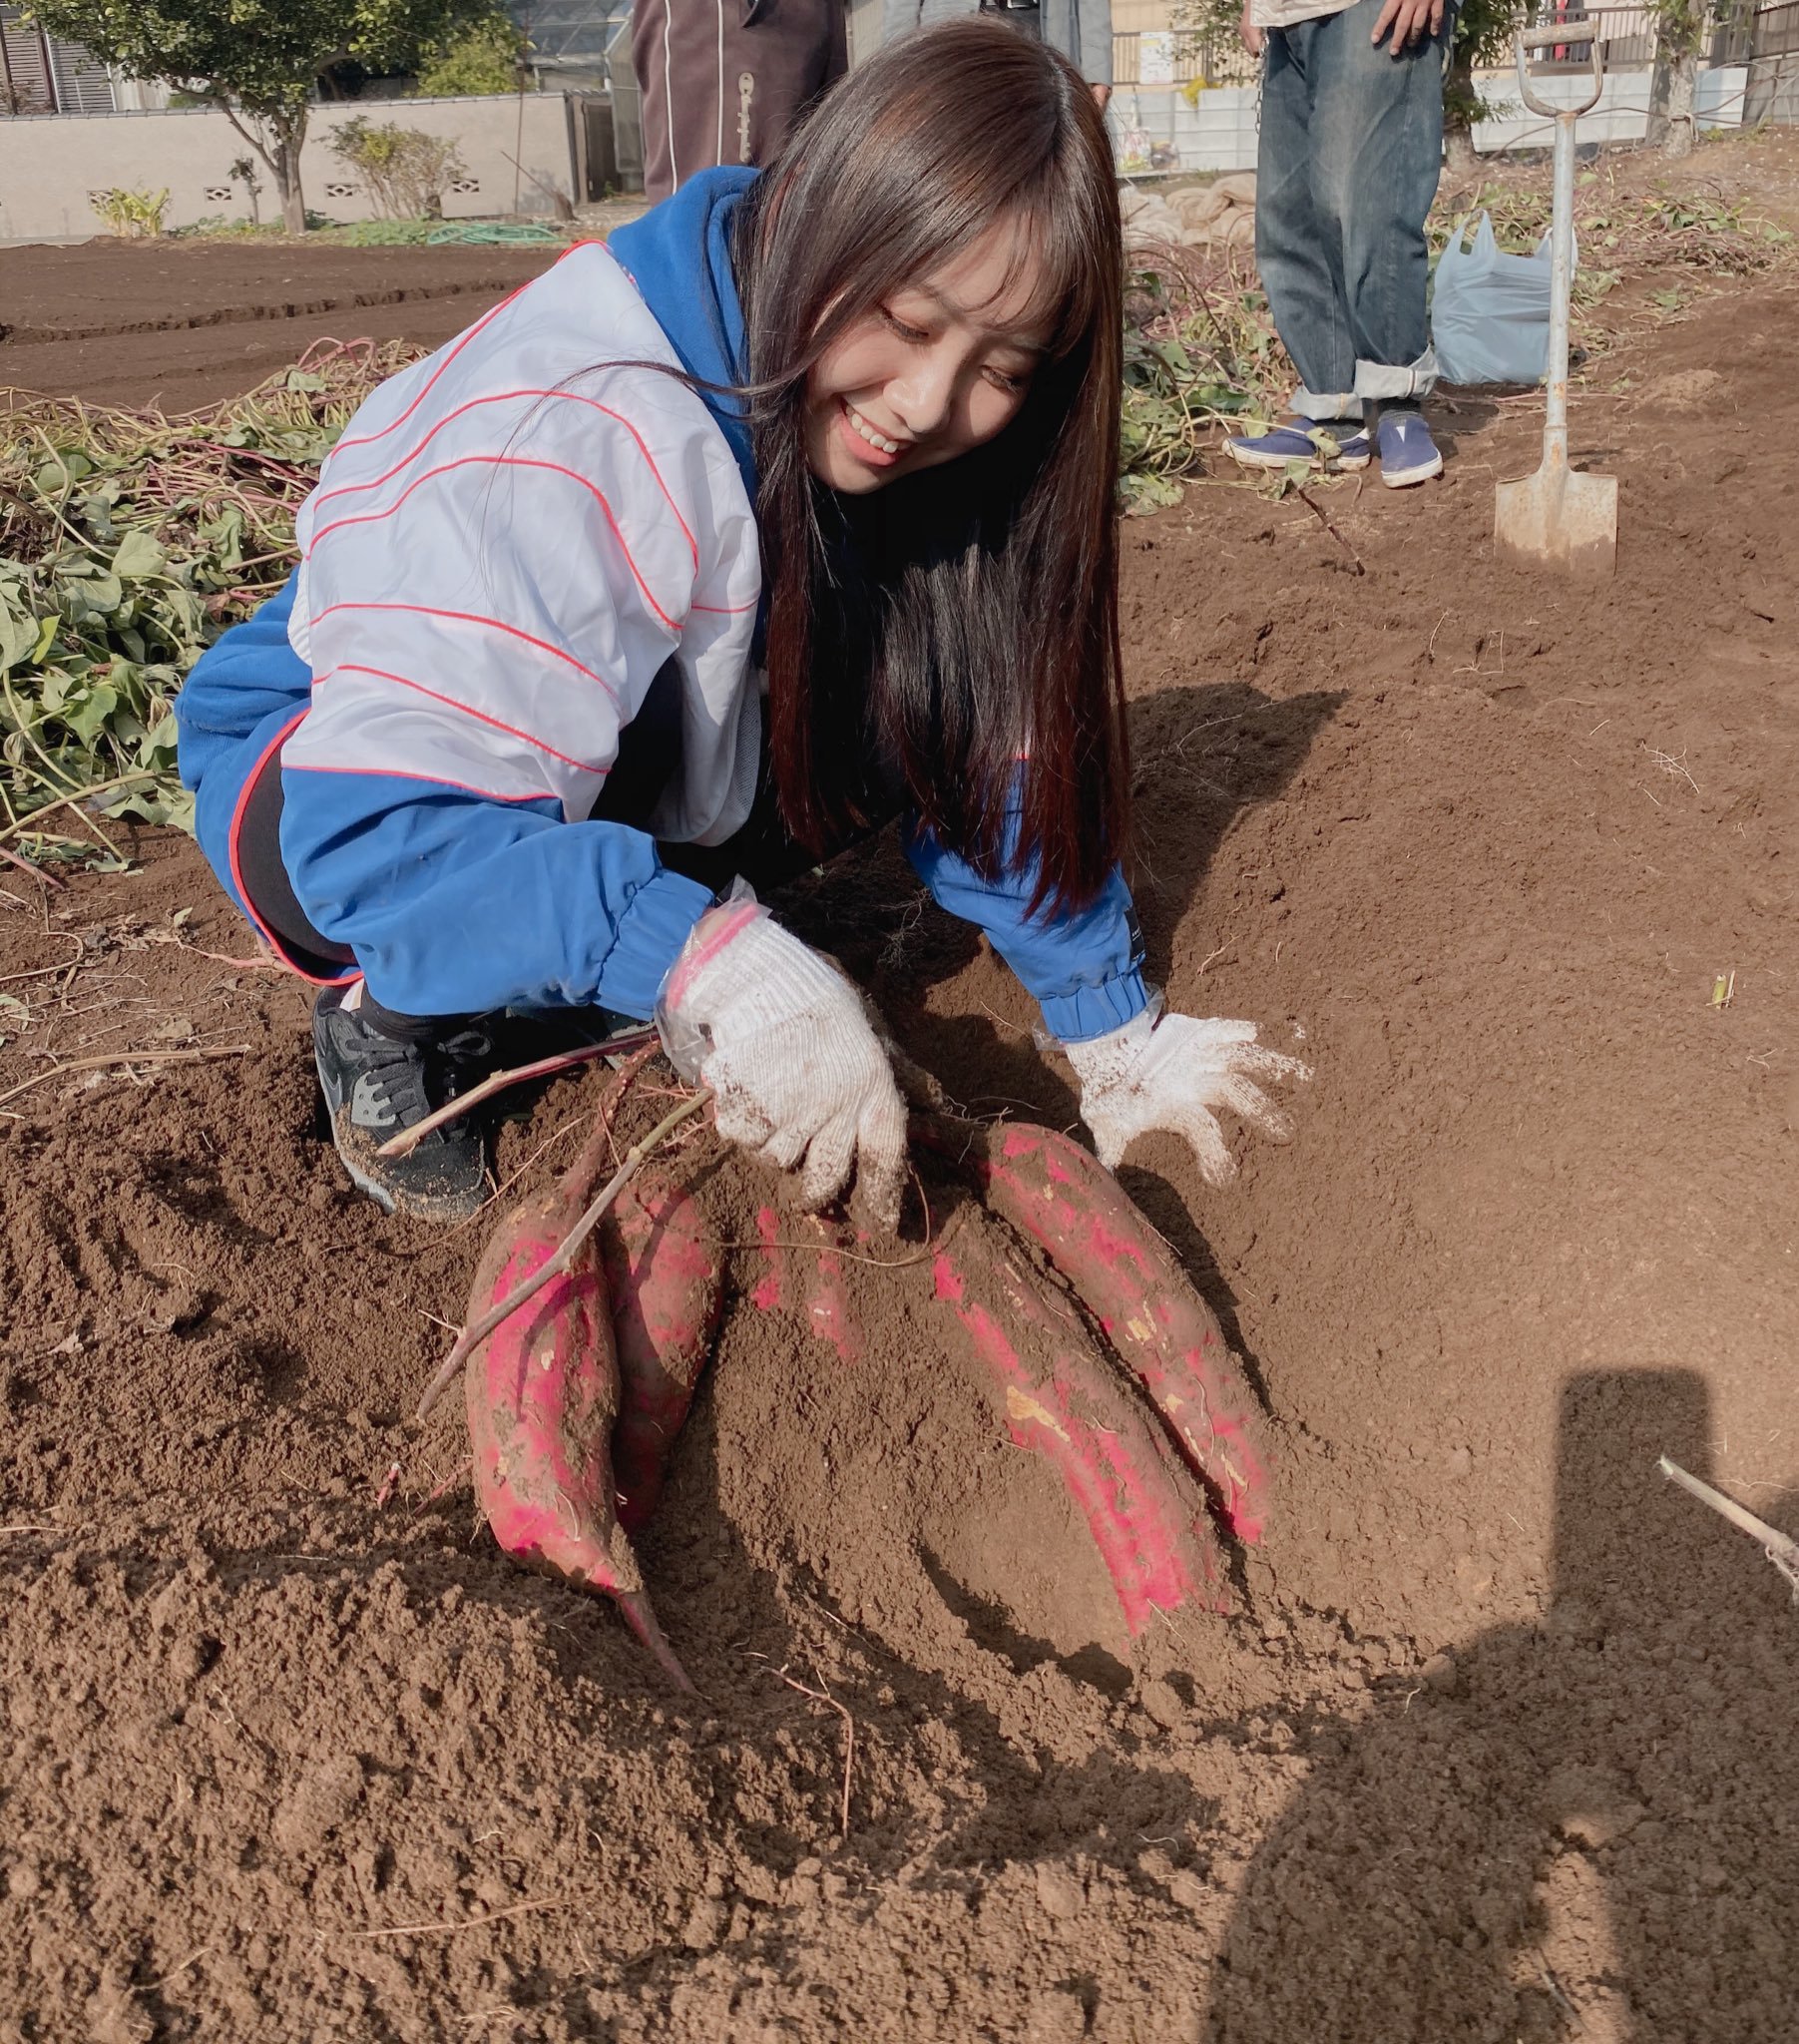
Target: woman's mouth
{"points": [[864, 441]]}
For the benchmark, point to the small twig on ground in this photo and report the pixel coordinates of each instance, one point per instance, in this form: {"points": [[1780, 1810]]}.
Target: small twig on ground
{"points": [[193, 1959], [266, 961], [478, 1330], [26, 826], [45, 971], [823, 1695], [1781, 1550], [1558, 1997], [409, 1140], [1305, 497], [475, 1923], [1674, 767], [17, 859], [128, 1058]]}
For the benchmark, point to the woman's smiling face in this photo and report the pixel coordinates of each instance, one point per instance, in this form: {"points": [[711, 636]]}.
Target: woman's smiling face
{"points": [[941, 366]]}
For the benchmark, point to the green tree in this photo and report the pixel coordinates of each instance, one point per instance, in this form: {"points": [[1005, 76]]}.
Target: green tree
{"points": [[255, 60], [1485, 32], [485, 57]]}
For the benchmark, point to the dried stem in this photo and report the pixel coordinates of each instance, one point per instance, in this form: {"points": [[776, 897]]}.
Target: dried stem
{"points": [[1305, 498], [409, 1140], [823, 1695], [27, 824], [477, 1331], [475, 1923], [17, 859], [127, 1057]]}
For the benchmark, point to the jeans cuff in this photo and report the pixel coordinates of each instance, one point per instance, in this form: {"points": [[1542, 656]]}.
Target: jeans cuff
{"points": [[1321, 407], [1378, 380]]}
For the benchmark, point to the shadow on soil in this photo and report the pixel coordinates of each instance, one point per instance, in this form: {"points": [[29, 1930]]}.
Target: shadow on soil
{"points": [[1580, 1827]]}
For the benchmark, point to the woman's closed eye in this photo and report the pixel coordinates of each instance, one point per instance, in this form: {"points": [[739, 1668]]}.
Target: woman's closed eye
{"points": [[902, 328]]}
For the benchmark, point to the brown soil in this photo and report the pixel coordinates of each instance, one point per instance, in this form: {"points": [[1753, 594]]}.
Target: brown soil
{"points": [[1497, 1743], [174, 325]]}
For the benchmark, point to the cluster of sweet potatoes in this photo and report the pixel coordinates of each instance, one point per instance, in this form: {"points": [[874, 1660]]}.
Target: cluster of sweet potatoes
{"points": [[1095, 1349]]}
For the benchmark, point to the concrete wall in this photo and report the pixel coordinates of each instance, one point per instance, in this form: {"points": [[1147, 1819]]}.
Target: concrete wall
{"points": [[48, 164], [1219, 133], [1621, 115]]}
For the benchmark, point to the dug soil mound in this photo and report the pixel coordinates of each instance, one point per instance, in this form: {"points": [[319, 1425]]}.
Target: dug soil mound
{"points": [[1495, 1739]]}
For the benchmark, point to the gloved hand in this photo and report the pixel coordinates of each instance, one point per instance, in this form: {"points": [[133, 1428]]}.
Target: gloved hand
{"points": [[780, 1037], [1175, 1072]]}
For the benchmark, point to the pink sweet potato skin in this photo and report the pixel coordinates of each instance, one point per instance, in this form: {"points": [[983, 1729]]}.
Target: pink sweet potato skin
{"points": [[542, 1399], [794, 1279], [1058, 1397], [663, 1272], [1059, 1197]]}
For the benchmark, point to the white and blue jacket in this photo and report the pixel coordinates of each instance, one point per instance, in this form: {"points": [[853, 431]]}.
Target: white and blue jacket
{"points": [[508, 544]]}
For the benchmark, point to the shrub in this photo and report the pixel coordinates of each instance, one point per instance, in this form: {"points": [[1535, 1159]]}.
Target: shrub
{"points": [[405, 171], [135, 215]]}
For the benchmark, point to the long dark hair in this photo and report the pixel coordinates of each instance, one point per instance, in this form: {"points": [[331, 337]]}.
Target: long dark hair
{"points": [[960, 625]]}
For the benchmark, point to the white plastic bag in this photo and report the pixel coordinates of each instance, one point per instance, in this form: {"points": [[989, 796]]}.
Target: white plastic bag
{"points": [[1490, 315]]}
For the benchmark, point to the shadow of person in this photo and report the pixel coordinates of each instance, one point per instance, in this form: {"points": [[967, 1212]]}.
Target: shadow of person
{"points": [[1583, 1827]]}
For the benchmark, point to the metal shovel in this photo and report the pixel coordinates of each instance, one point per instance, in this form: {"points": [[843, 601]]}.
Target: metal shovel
{"points": [[1557, 516]]}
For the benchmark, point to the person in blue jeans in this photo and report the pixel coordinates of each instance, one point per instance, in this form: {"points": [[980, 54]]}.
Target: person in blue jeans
{"points": [[1350, 154]]}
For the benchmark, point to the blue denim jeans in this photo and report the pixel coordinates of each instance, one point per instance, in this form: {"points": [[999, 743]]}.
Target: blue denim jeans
{"points": [[1351, 150]]}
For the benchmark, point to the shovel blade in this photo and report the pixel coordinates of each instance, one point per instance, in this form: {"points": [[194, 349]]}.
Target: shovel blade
{"points": [[1559, 518]]}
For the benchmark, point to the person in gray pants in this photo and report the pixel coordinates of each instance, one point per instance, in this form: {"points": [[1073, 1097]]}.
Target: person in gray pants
{"points": [[1351, 150], [1079, 29], [723, 81]]}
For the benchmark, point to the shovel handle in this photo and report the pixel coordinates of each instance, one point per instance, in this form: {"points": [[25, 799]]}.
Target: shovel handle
{"points": [[1561, 35]]}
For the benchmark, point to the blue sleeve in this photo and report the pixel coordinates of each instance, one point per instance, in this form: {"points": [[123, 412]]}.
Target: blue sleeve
{"points": [[1085, 969], [455, 903], [244, 690]]}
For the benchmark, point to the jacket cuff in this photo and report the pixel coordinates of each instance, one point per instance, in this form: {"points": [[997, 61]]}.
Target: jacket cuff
{"points": [[658, 920], [1092, 1011]]}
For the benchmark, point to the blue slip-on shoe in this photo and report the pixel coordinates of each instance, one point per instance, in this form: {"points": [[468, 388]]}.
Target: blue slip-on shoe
{"points": [[1299, 440], [1408, 453]]}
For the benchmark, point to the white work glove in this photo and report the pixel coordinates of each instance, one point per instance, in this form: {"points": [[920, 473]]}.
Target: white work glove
{"points": [[1175, 1072], [782, 1038]]}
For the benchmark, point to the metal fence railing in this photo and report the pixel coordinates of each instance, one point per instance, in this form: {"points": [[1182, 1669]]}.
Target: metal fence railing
{"points": [[1773, 32], [1740, 30], [1161, 59], [41, 74], [1732, 35]]}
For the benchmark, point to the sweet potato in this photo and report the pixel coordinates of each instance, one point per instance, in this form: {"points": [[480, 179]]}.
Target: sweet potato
{"points": [[827, 1300], [543, 1395], [663, 1275], [1061, 1198], [825, 1304], [1058, 1397]]}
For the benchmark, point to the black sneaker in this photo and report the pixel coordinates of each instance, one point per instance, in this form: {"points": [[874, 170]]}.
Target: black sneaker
{"points": [[376, 1085]]}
